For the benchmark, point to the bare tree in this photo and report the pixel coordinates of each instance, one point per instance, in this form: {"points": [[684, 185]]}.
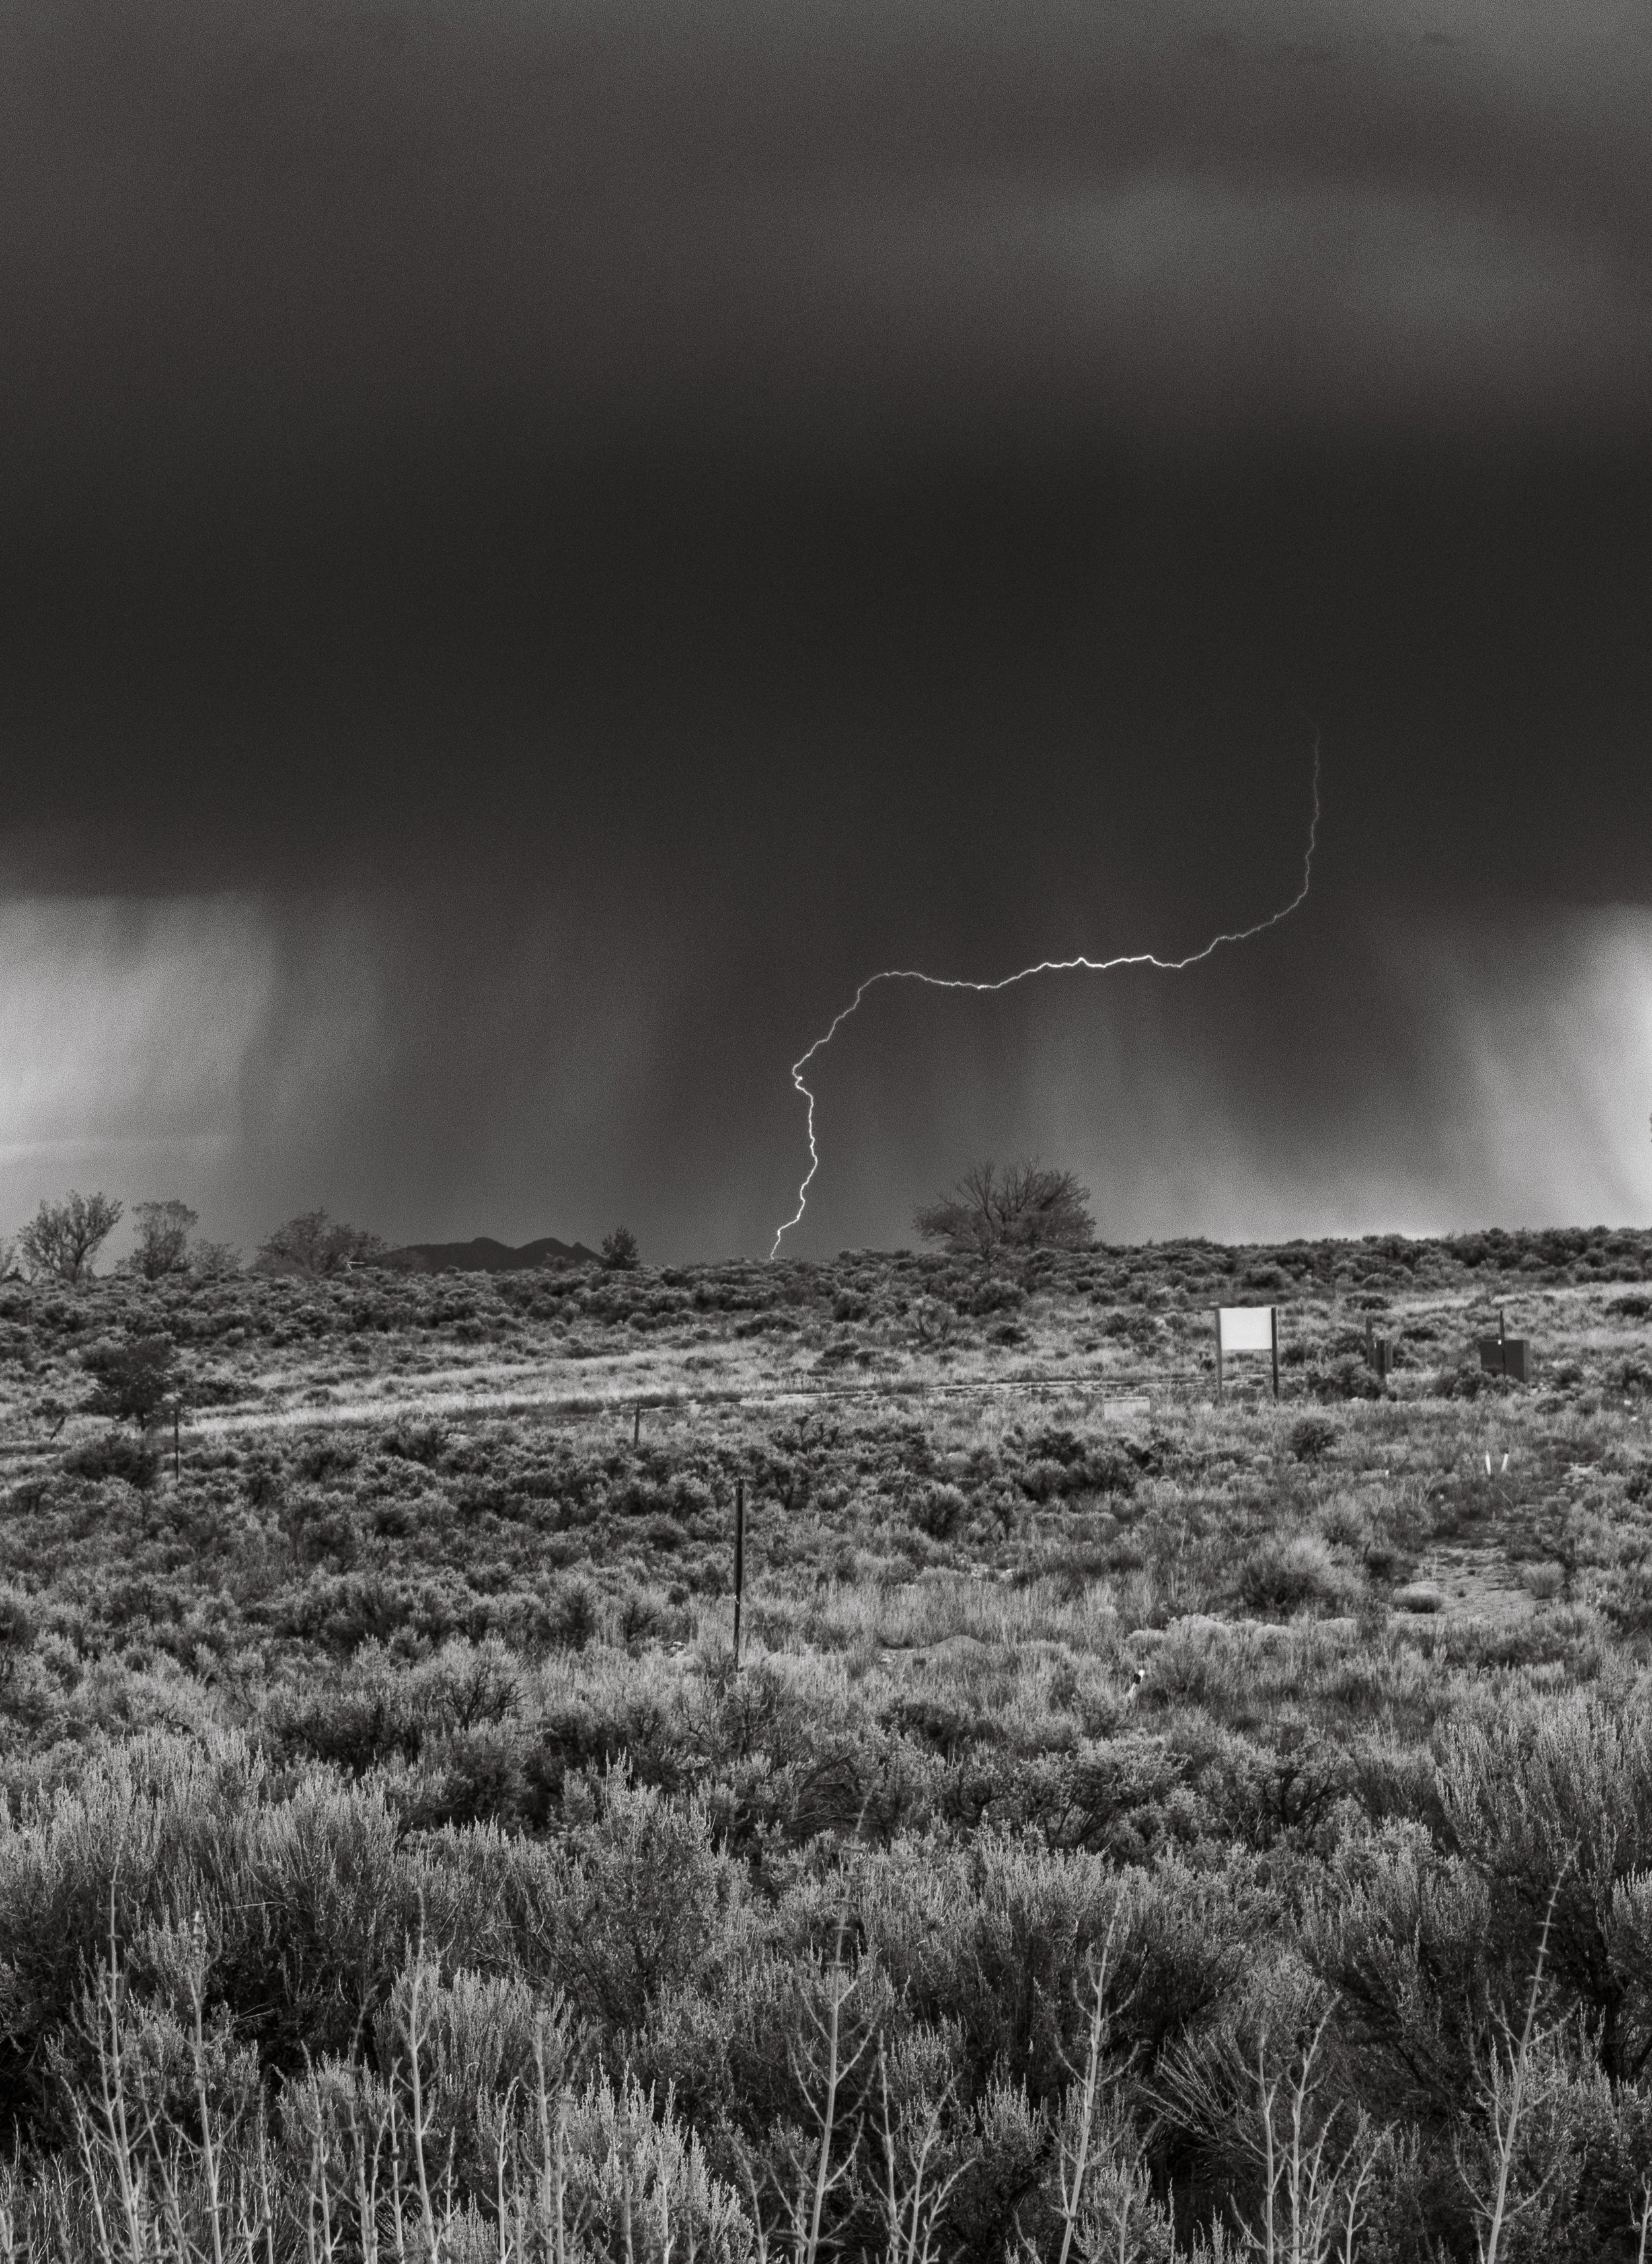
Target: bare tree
{"points": [[1023, 1206], [313, 1243], [61, 1241], [164, 1233]]}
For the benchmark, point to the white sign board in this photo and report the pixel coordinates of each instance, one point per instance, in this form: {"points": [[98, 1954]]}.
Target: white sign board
{"points": [[1245, 1328]]}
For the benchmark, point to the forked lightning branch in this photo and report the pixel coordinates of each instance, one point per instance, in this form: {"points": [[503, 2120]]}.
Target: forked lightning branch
{"points": [[1080, 964]]}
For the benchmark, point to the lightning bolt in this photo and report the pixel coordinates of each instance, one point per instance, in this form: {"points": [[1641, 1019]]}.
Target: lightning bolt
{"points": [[1024, 974]]}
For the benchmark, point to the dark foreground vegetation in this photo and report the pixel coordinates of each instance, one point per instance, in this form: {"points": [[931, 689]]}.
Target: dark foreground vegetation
{"points": [[1192, 1831]]}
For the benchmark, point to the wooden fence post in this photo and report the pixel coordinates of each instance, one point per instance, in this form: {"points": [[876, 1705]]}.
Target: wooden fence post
{"points": [[740, 1560]]}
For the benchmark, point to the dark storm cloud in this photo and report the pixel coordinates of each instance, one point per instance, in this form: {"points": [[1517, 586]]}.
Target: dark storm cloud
{"points": [[547, 542], [389, 215]]}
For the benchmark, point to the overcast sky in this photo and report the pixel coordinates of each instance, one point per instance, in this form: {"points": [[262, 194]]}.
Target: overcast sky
{"points": [[540, 544]]}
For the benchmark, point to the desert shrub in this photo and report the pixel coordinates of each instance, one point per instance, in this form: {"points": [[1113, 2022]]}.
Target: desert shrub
{"points": [[304, 1901], [416, 1442], [640, 1617], [1349, 1376], [1347, 1521], [943, 1724], [574, 1614], [488, 2048], [1128, 1798], [993, 1297], [939, 1511], [641, 1901], [261, 1479], [327, 1457], [998, 1943], [1469, 1381], [1042, 1478], [1402, 1931], [323, 1528], [466, 2125], [18, 1627], [1310, 1437], [1625, 1598], [1287, 1572], [354, 1725], [1576, 2177], [1067, 1463], [115, 1455], [340, 1610], [1553, 1797]]}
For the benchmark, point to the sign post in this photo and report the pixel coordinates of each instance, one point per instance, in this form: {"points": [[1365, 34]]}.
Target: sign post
{"points": [[1248, 1328], [740, 1560]]}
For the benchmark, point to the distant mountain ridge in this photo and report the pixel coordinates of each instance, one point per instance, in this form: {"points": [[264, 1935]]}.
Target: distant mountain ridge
{"points": [[484, 1255]]}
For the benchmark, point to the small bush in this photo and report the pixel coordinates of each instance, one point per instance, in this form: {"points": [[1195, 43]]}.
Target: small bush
{"points": [[1346, 1522], [1310, 1437], [327, 1457], [939, 1511], [115, 1455], [1349, 1376], [416, 1442], [574, 1617], [1283, 1575]]}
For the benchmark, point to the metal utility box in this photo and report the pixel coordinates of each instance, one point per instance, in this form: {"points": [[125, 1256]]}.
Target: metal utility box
{"points": [[1510, 1356]]}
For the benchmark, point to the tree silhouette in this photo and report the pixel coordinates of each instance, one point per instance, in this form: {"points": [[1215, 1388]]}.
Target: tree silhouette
{"points": [[133, 1381], [1023, 1206], [313, 1243], [164, 1233], [63, 1238]]}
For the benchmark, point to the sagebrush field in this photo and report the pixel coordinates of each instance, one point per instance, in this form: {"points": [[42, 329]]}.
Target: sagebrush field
{"points": [[1131, 1832]]}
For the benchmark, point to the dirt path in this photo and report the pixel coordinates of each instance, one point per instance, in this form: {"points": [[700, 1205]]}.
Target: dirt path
{"points": [[622, 1401]]}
